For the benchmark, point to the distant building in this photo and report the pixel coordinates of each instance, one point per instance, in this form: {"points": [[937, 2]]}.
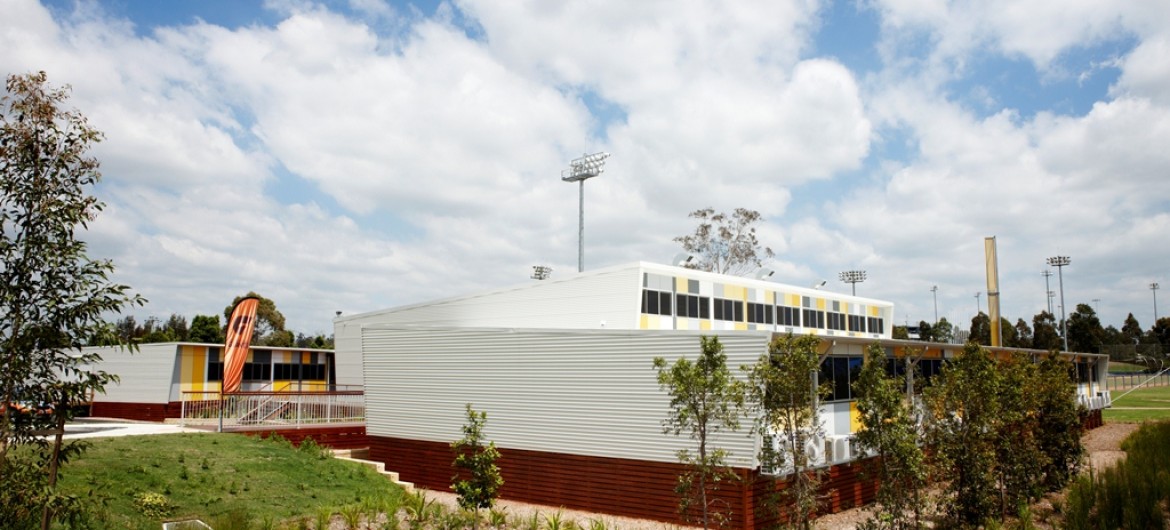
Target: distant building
{"points": [[153, 381]]}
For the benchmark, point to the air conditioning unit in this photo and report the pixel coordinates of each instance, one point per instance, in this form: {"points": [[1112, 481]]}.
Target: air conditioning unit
{"points": [[840, 450]]}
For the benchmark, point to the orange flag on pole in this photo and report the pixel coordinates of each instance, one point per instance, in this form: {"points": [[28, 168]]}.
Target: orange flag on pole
{"points": [[239, 336]]}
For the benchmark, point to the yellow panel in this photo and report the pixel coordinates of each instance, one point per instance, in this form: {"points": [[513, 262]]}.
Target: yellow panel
{"points": [[821, 304], [873, 311], [705, 325], [280, 386], [741, 326], [682, 323], [769, 297], [793, 300], [643, 321], [854, 417], [680, 284], [306, 357]]}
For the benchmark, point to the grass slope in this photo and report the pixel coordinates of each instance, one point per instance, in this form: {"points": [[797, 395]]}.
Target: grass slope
{"points": [[1143, 404], [209, 476]]}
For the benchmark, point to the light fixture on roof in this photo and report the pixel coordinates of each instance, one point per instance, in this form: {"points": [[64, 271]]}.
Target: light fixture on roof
{"points": [[820, 284], [580, 169], [541, 272], [682, 259], [764, 273]]}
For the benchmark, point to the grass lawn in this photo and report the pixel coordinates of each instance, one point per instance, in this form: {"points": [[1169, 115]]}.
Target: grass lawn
{"points": [[212, 476], [1125, 368], [1150, 403]]}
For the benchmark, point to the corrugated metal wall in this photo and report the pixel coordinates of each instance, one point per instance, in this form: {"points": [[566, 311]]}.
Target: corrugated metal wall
{"points": [[592, 392], [146, 376]]}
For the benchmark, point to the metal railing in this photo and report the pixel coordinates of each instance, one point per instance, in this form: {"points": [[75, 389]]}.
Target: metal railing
{"points": [[243, 410]]}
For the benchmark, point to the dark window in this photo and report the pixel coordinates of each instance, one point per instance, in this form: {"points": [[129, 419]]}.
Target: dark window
{"points": [[656, 302], [257, 372], [875, 325], [788, 316], [730, 310], [836, 321], [214, 371], [840, 373], [693, 306], [760, 313], [856, 323], [814, 319]]}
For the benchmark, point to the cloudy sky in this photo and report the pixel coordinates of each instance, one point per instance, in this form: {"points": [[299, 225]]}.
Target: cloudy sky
{"points": [[357, 155]]}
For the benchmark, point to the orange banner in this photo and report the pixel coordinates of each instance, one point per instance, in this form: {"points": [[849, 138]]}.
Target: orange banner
{"points": [[239, 336]]}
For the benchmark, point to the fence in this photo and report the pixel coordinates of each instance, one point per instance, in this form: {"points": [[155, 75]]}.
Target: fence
{"points": [[1127, 381], [240, 410]]}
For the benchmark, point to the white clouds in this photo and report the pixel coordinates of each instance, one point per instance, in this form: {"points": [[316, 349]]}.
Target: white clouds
{"points": [[716, 104]]}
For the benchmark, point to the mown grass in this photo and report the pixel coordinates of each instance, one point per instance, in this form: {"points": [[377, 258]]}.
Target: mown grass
{"points": [[1126, 368], [216, 477], [1149, 403]]}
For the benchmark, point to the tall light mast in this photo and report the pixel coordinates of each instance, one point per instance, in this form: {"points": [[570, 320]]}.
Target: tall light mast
{"points": [[580, 170]]}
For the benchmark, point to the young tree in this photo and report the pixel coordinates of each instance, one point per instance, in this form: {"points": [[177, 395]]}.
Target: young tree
{"points": [[54, 296], [1131, 330], [704, 400], [1059, 424], [1019, 461], [477, 479], [269, 330], [782, 394], [725, 244], [890, 429], [960, 431]]}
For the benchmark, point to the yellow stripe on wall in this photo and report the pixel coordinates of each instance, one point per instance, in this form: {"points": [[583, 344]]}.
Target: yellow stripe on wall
{"points": [[854, 417], [644, 322]]}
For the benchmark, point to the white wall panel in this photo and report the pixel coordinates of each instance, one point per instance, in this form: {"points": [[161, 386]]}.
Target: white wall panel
{"points": [[146, 376], [582, 392]]}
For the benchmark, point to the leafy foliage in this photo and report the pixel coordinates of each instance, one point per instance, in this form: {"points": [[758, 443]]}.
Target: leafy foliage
{"points": [[890, 429], [477, 481], [782, 394], [54, 296], [206, 329], [961, 429], [704, 401], [725, 244]]}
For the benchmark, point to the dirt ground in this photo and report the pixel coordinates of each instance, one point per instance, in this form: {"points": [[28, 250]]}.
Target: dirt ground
{"points": [[1103, 445]]}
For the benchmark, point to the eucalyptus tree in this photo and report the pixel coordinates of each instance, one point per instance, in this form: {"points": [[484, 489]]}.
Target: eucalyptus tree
{"points": [[784, 397], [726, 244], [53, 297], [704, 400]]}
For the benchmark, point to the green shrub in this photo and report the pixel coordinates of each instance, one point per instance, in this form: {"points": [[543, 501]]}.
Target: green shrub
{"points": [[153, 504]]}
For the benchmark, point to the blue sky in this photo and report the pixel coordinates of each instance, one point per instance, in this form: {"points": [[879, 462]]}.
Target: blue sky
{"points": [[354, 155]]}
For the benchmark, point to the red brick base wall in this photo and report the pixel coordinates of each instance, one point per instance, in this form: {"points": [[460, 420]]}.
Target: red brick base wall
{"points": [[336, 437], [136, 411], [617, 486]]}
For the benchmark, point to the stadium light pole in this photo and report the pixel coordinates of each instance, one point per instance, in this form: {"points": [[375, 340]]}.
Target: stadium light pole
{"points": [[580, 170], [1060, 262], [853, 278], [934, 291], [1047, 289], [1154, 289]]}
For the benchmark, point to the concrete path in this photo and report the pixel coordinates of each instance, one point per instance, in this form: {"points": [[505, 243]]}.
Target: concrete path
{"points": [[102, 427]]}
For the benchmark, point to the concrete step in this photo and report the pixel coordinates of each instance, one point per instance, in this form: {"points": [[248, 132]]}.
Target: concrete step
{"points": [[380, 467]]}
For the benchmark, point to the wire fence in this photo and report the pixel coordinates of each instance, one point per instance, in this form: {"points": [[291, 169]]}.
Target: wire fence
{"points": [[272, 409], [1127, 381]]}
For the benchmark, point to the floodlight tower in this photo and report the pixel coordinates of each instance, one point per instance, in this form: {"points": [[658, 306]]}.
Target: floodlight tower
{"points": [[1060, 262], [580, 170], [1047, 289], [934, 291], [853, 278], [1154, 289]]}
